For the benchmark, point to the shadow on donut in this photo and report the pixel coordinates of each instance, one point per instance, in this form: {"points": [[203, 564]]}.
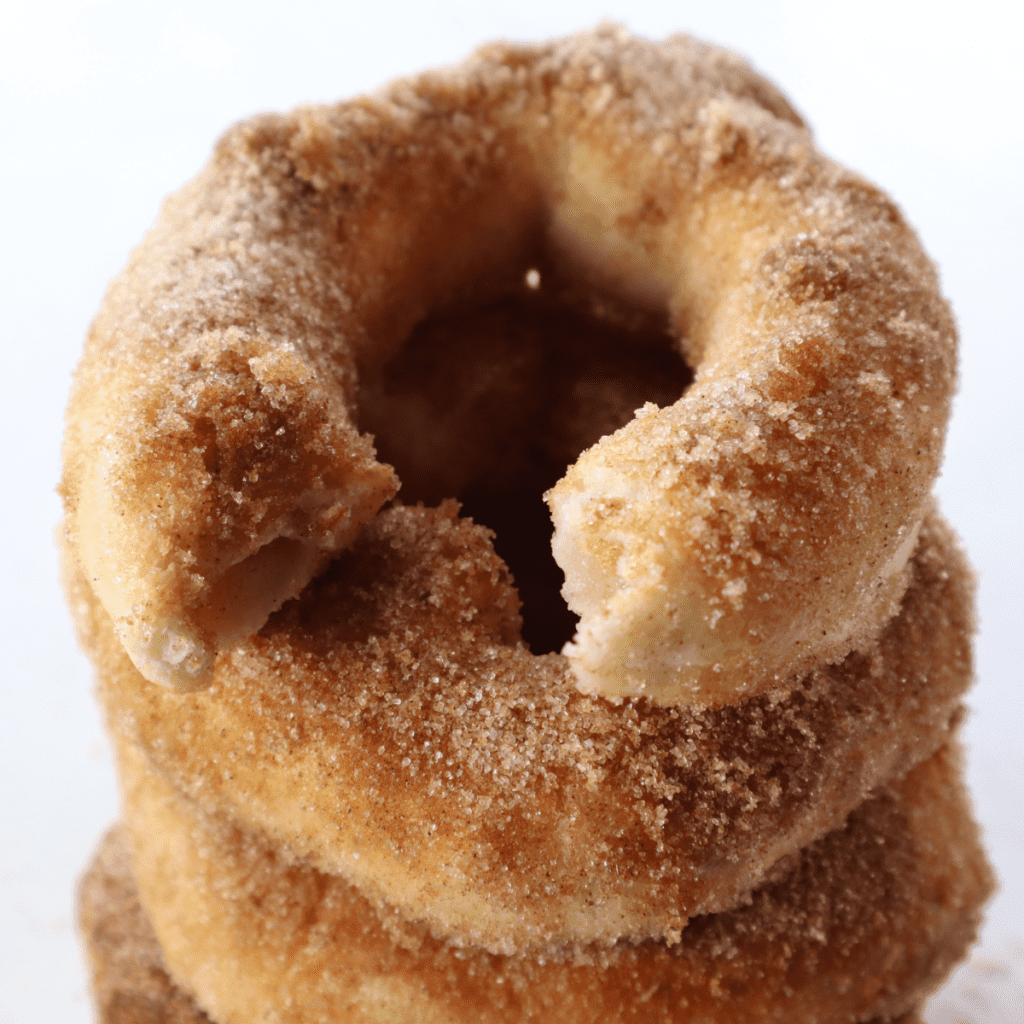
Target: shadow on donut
{"points": [[490, 403]]}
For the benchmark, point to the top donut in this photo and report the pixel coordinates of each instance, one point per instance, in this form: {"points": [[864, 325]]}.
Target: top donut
{"points": [[713, 547]]}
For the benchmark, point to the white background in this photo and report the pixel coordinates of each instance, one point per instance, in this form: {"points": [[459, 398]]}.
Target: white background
{"points": [[106, 107]]}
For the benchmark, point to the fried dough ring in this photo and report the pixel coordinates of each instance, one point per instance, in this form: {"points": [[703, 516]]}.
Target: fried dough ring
{"points": [[865, 923], [468, 783], [130, 981], [713, 548]]}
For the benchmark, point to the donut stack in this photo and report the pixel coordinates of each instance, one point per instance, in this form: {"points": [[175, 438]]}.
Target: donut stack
{"points": [[619, 275]]}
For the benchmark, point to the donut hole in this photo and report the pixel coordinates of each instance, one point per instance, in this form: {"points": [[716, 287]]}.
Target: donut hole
{"points": [[490, 402]]}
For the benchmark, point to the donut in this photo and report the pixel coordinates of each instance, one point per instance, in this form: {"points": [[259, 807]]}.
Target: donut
{"points": [[383, 757], [715, 547], [862, 924], [129, 974], [446, 777]]}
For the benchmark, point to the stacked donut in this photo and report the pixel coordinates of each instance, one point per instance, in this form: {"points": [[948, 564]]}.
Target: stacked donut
{"points": [[373, 768]]}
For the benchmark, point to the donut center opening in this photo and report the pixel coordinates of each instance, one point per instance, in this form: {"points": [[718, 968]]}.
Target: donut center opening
{"points": [[490, 403]]}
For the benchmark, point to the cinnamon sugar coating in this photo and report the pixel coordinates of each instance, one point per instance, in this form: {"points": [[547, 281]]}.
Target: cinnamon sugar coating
{"points": [[468, 783], [130, 983], [375, 768], [213, 458], [864, 923], [128, 964]]}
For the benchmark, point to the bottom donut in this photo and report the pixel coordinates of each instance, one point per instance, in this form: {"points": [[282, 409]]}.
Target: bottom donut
{"points": [[130, 982], [860, 926]]}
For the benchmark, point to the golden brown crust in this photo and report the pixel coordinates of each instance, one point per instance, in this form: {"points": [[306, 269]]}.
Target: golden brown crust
{"points": [[864, 923], [669, 174], [448, 777]]}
